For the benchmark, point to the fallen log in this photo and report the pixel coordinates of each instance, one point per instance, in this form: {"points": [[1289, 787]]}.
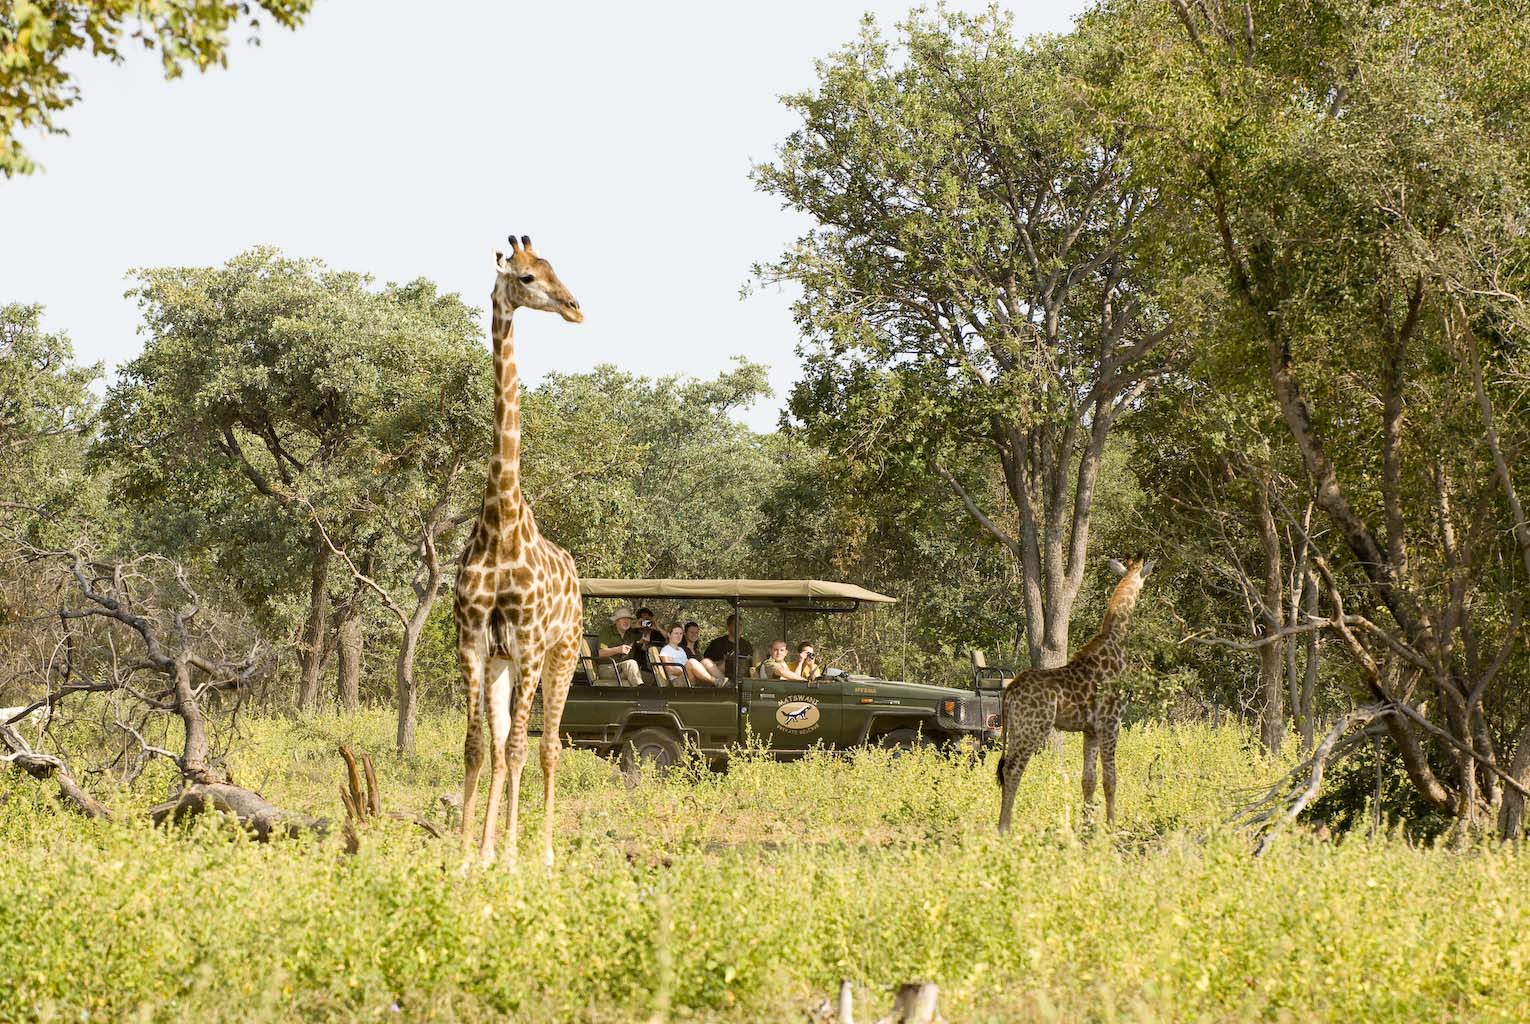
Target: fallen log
{"points": [[43, 767], [246, 806]]}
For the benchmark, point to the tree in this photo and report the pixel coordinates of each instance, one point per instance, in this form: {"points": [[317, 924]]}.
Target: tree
{"points": [[1222, 482], [977, 294], [275, 395], [426, 449], [647, 477], [47, 411], [1360, 170], [39, 37], [47, 418], [136, 635]]}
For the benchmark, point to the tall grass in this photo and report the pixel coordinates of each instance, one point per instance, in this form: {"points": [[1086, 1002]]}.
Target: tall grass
{"points": [[741, 896]]}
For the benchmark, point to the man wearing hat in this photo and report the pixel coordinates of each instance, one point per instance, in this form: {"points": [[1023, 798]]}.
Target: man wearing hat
{"points": [[613, 644]]}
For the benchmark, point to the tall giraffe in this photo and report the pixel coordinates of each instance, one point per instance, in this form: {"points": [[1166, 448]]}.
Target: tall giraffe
{"points": [[1073, 698], [517, 601]]}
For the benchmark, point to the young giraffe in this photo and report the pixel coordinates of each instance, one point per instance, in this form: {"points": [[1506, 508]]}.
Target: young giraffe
{"points": [[1073, 698], [517, 598]]}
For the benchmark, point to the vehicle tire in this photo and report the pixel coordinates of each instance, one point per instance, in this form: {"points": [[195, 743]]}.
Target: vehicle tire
{"points": [[901, 741], [654, 745]]}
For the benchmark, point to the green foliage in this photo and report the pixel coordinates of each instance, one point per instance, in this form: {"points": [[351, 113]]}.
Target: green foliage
{"points": [[272, 391], [38, 37], [978, 300], [47, 414], [647, 477], [744, 896], [1356, 180]]}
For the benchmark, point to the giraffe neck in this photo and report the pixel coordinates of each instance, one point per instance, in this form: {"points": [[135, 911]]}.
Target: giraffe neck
{"points": [[1109, 644], [504, 485], [1113, 628]]}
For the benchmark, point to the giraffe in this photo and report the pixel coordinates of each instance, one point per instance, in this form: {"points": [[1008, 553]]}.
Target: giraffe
{"points": [[517, 601], [1073, 698]]}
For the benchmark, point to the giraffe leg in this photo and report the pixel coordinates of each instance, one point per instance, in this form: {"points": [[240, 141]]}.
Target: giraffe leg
{"points": [[470, 659], [1108, 769], [557, 678], [1014, 768], [1025, 732], [518, 747], [499, 731], [1091, 755]]}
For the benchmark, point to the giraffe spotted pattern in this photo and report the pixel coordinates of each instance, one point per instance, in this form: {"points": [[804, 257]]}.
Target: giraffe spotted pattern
{"points": [[1078, 697], [517, 601]]}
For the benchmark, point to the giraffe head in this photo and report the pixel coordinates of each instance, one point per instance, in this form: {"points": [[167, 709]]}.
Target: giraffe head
{"points": [[1132, 576], [525, 279]]}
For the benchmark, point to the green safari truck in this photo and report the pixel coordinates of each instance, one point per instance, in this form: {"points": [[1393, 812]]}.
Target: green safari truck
{"points": [[657, 718]]}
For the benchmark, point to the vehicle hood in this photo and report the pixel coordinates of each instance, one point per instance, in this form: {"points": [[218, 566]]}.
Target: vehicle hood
{"points": [[897, 688]]}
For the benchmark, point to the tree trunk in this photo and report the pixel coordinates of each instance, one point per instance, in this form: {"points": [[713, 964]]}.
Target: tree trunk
{"points": [[408, 696], [193, 760], [1310, 667], [1511, 813], [1272, 721], [348, 642], [313, 630], [1300, 580]]}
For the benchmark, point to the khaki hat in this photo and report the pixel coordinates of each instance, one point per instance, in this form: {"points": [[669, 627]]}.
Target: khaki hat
{"points": [[622, 613]]}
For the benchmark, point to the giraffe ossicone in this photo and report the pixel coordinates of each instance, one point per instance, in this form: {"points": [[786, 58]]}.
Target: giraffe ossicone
{"points": [[1073, 698], [517, 603]]}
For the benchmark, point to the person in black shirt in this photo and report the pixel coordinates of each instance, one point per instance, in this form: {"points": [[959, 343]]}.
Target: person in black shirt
{"points": [[645, 636], [646, 631], [720, 651]]}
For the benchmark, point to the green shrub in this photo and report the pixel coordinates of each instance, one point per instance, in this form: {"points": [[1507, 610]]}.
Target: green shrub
{"points": [[740, 896]]}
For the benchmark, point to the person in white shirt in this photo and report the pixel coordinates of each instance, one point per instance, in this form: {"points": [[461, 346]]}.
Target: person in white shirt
{"points": [[675, 664]]}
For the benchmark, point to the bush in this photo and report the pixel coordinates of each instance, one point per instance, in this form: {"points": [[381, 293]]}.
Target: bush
{"points": [[739, 896]]}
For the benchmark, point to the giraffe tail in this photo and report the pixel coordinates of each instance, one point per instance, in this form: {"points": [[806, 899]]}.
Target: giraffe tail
{"points": [[1003, 738]]}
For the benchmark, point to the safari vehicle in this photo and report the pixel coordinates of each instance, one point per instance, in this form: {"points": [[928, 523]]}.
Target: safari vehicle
{"points": [[657, 719]]}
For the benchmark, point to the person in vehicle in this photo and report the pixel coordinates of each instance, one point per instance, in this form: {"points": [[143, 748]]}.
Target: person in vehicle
{"points": [[805, 664], [776, 667], [720, 651], [612, 643], [647, 632], [676, 665], [692, 639], [692, 645]]}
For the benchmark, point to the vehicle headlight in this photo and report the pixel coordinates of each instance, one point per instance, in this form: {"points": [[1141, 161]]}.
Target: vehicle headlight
{"points": [[966, 713]]}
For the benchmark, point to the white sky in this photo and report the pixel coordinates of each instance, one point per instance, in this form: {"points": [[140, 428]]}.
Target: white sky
{"points": [[406, 139]]}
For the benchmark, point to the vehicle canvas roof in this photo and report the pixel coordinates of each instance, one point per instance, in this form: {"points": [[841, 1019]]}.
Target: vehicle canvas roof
{"points": [[811, 590]]}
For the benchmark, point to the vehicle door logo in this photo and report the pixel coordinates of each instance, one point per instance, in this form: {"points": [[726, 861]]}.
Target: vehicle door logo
{"points": [[797, 715]]}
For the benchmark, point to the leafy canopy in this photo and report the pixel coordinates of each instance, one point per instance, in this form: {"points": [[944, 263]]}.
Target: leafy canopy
{"points": [[38, 37]]}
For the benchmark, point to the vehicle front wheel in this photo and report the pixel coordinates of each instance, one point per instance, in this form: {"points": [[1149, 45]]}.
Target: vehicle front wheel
{"points": [[658, 747], [903, 740]]}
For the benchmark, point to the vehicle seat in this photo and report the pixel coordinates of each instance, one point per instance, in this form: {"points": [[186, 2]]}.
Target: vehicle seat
{"points": [[982, 672], [584, 670]]}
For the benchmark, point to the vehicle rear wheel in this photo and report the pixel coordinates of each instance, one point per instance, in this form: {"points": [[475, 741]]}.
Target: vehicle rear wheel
{"points": [[901, 741], [656, 746]]}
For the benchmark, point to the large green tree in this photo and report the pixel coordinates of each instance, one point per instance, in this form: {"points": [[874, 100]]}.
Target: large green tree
{"points": [[47, 413], [639, 476], [281, 410], [47, 496], [978, 287], [1359, 169], [39, 38]]}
